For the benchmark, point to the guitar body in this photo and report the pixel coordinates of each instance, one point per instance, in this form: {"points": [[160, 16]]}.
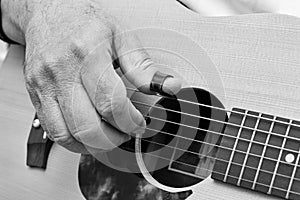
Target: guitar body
{"points": [[250, 61], [119, 176]]}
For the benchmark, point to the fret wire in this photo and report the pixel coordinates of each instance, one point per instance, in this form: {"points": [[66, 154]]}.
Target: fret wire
{"points": [[279, 157], [221, 134], [248, 150], [267, 119], [261, 184], [234, 148], [248, 180], [215, 145], [225, 123], [209, 106], [207, 156], [263, 155], [293, 175]]}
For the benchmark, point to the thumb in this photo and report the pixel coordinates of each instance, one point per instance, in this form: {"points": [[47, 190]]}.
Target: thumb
{"points": [[138, 67]]}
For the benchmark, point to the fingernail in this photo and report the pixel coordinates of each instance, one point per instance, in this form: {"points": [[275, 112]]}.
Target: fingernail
{"points": [[127, 138], [172, 85]]}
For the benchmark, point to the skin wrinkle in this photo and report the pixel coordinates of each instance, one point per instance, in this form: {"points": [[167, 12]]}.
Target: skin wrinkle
{"points": [[96, 89], [72, 111], [77, 131], [65, 44], [14, 11], [59, 21], [78, 53], [36, 99], [48, 71], [145, 66], [94, 49], [141, 62], [45, 47]]}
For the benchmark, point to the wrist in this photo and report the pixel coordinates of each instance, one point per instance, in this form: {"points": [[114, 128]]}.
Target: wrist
{"points": [[15, 17]]}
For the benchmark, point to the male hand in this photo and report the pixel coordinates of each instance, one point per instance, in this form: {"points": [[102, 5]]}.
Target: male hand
{"points": [[70, 47]]}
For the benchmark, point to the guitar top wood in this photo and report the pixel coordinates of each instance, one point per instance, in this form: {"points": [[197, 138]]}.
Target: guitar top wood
{"points": [[254, 62]]}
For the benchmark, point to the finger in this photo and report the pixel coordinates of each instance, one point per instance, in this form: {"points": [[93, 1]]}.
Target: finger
{"points": [[56, 126], [53, 123], [137, 66], [108, 94], [85, 124]]}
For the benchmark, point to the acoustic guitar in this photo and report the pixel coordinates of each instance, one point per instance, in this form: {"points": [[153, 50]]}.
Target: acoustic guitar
{"points": [[237, 112]]}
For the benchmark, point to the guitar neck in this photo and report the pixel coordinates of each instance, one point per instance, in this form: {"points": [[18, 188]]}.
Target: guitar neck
{"points": [[260, 152]]}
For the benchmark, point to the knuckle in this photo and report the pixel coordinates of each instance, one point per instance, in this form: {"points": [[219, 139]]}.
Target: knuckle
{"points": [[42, 72], [112, 107], [105, 109], [105, 27], [63, 140], [30, 74], [90, 135], [78, 50], [87, 42]]}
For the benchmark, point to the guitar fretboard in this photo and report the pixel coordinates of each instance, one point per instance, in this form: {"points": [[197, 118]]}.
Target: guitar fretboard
{"points": [[260, 152]]}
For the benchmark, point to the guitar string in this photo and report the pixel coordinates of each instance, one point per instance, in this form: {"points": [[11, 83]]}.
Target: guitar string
{"points": [[235, 177], [208, 170], [221, 109], [222, 134], [238, 164], [225, 123], [240, 113], [215, 145], [218, 108], [214, 158]]}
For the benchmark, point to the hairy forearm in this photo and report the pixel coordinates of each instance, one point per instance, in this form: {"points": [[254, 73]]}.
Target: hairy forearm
{"points": [[20, 17], [15, 17]]}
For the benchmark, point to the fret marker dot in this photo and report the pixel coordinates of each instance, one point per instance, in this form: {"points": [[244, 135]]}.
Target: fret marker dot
{"points": [[289, 158]]}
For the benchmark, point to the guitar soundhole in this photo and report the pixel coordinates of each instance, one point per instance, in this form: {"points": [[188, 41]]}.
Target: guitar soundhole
{"points": [[186, 129], [171, 126]]}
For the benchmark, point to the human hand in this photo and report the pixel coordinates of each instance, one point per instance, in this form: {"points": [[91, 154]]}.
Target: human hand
{"points": [[69, 74]]}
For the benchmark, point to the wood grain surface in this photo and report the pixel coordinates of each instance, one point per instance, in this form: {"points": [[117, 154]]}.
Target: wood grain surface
{"points": [[17, 181], [257, 59]]}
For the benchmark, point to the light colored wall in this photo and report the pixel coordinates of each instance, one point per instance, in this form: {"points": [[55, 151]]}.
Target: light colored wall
{"points": [[236, 7]]}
